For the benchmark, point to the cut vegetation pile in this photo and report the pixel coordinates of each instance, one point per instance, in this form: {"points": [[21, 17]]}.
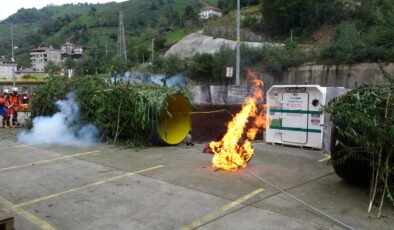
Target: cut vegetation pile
{"points": [[124, 112], [364, 133]]}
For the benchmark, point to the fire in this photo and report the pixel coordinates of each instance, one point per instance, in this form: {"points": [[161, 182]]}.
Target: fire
{"points": [[235, 149]]}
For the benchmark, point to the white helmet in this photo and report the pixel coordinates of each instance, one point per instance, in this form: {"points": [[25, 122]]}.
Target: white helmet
{"points": [[15, 89], [6, 91]]}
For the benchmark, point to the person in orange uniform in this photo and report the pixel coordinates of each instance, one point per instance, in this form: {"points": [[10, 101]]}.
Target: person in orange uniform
{"points": [[15, 101], [4, 103], [26, 97]]}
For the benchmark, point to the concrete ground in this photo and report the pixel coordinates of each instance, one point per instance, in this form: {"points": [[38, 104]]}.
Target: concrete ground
{"points": [[105, 187]]}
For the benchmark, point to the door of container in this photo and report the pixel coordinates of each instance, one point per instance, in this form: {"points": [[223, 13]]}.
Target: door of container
{"points": [[295, 117]]}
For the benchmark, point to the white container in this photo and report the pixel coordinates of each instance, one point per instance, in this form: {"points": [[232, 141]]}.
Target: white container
{"points": [[296, 116]]}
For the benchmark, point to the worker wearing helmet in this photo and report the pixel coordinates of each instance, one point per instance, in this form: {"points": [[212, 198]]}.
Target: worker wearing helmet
{"points": [[4, 103], [15, 101]]}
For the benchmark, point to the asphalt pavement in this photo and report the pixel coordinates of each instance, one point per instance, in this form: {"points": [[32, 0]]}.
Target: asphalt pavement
{"points": [[107, 187]]}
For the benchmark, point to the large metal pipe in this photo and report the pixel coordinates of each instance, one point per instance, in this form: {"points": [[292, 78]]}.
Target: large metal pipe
{"points": [[174, 126]]}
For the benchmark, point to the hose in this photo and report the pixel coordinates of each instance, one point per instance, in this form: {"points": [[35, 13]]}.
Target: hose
{"points": [[332, 219], [214, 111]]}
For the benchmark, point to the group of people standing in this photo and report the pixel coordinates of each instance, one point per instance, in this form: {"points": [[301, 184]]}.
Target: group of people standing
{"points": [[10, 103]]}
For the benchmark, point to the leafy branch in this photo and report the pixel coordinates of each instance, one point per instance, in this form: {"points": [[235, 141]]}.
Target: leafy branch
{"points": [[364, 121], [125, 113]]}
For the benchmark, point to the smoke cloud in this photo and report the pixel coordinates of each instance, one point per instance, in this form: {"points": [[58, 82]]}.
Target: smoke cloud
{"points": [[63, 128]]}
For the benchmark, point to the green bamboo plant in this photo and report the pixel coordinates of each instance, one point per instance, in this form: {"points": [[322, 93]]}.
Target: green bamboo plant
{"points": [[125, 113], [364, 123]]}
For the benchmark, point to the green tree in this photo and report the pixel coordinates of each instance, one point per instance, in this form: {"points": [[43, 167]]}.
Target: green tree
{"points": [[86, 66], [172, 15], [346, 45], [202, 68], [116, 66], [280, 16], [69, 63], [34, 39], [190, 17], [225, 57], [366, 12], [159, 42], [300, 16], [231, 5], [153, 5], [382, 33], [325, 12], [173, 65], [51, 68]]}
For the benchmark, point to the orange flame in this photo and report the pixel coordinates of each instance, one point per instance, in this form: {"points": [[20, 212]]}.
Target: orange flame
{"points": [[235, 149]]}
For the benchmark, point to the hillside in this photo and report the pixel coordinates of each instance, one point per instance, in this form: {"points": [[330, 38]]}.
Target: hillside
{"points": [[196, 43], [337, 31], [95, 26]]}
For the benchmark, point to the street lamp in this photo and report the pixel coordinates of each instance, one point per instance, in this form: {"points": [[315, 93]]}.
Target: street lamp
{"points": [[238, 58]]}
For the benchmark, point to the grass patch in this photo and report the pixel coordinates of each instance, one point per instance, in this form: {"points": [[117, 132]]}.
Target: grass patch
{"points": [[213, 2], [174, 36]]}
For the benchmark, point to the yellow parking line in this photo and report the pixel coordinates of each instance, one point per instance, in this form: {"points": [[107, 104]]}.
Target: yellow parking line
{"points": [[41, 224], [221, 211], [47, 161], [326, 158], [85, 186]]}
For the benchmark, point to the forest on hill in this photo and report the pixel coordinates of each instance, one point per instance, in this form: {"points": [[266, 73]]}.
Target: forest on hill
{"points": [[95, 26], [319, 31]]}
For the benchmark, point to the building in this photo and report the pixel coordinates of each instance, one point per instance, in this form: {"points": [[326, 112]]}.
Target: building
{"points": [[42, 55], [352, 4], [70, 50], [209, 12], [8, 68], [25, 72]]}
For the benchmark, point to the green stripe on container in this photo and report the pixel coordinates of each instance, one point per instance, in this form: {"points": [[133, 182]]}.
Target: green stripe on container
{"points": [[296, 129], [294, 111]]}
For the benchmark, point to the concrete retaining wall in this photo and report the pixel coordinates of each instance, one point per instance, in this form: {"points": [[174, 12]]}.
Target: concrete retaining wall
{"points": [[220, 94], [348, 76]]}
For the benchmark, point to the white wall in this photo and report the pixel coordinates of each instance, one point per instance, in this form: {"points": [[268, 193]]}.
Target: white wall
{"points": [[7, 70]]}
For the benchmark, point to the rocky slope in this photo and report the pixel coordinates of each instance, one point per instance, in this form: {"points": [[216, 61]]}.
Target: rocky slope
{"points": [[198, 43]]}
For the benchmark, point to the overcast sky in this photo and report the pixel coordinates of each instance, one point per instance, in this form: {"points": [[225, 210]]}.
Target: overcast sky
{"points": [[9, 7]]}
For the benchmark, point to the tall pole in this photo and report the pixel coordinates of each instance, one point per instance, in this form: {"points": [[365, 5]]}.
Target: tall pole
{"points": [[153, 51], [238, 59], [106, 46], [12, 43], [12, 56], [122, 50]]}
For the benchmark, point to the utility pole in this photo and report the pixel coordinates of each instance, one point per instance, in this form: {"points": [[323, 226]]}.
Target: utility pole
{"points": [[122, 51], [153, 51], [106, 47], [12, 56], [238, 58], [12, 43]]}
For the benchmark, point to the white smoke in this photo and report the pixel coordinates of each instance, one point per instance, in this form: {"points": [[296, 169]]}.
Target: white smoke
{"points": [[63, 128]]}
